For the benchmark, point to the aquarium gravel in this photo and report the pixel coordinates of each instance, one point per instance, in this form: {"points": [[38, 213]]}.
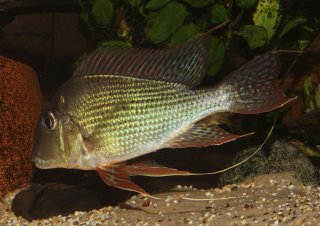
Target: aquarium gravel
{"points": [[275, 199]]}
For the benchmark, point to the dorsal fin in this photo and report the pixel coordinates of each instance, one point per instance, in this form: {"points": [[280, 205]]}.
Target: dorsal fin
{"points": [[185, 63]]}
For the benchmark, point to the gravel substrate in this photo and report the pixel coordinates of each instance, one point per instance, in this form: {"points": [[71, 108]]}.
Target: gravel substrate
{"points": [[274, 199]]}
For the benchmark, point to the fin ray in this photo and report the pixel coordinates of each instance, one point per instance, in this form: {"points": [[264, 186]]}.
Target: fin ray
{"points": [[117, 176], [253, 87], [203, 134], [184, 64], [152, 169]]}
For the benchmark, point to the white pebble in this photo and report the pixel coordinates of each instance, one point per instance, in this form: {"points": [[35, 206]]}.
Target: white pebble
{"points": [[291, 186]]}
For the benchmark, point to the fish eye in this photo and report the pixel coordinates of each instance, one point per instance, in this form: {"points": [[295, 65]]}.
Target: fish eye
{"points": [[49, 120]]}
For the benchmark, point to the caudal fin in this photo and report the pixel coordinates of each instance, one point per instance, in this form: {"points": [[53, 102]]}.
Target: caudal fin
{"points": [[253, 88]]}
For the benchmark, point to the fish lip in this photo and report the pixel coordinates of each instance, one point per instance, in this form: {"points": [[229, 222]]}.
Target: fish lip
{"points": [[46, 164], [39, 163]]}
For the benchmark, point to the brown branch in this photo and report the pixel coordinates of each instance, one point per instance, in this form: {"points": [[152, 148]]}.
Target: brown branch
{"points": [[12, 5]]}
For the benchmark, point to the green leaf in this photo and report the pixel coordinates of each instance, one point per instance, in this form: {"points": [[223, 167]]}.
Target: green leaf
{"points": [[246, 4], [84, 14], [168, 20], [113, 43], [317, 97], [85, 17], [219, 14], [197, 3], [216, 56], [307, 86], [310, 101], [151, 17], [268, 15], [156, 4], [291, 24], [85, 5], [102, 11], [255, 36], [134, 3], [307, 150], [305, 37], [183, 34]]}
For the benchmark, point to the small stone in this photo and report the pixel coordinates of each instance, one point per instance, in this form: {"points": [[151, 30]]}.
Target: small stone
{"points": [[243, 222], [291, 186]]}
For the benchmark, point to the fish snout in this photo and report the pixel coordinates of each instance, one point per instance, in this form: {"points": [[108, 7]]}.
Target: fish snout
{"points": [[47, 157], [35, 156], [47, 162], [37, 159]]}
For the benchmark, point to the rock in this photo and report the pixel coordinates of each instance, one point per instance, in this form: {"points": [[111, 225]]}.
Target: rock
{"points": [[44, 201], [61, 192], [20, 104], [282, 156]]}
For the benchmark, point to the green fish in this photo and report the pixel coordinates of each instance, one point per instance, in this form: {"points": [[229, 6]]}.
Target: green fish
{"points": [[124, 103]]}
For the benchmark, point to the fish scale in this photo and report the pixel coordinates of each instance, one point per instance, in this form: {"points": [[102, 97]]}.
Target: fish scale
{"points": [[148, 114]]}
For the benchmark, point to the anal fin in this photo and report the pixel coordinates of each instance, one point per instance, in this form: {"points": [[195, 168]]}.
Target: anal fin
{"points": [[203, 134]]}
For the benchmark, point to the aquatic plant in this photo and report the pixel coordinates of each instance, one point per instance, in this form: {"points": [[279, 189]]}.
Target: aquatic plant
{"points": [[259, 24]]}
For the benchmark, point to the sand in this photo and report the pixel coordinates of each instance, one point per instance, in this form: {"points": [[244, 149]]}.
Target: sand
{"points": [[273, 199]]}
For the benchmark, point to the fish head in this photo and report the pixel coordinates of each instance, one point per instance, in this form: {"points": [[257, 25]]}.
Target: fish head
{"points": [[58, 140]]}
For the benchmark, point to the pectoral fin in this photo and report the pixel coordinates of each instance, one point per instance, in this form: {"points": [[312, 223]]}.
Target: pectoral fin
{"points": [[117, 176], [203, 134], [152, 169]]}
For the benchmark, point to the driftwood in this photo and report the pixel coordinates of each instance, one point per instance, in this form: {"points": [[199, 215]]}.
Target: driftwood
{"points": [[11, 6]]}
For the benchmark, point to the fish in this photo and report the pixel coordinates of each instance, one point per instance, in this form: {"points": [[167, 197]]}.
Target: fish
{"points": [[122, 103]]}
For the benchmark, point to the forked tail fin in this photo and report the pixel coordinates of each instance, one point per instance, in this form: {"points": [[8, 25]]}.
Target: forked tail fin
{"points": [[253, 88]]}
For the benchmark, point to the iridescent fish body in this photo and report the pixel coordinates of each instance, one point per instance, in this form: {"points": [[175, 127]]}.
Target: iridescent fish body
{"points": [[124, 103]]}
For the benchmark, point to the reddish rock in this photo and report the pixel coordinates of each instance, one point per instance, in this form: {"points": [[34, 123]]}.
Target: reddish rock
{"points": [[20, 104]]}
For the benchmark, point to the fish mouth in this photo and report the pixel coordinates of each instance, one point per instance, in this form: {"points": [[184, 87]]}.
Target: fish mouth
{"points": [[48, 164]]}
